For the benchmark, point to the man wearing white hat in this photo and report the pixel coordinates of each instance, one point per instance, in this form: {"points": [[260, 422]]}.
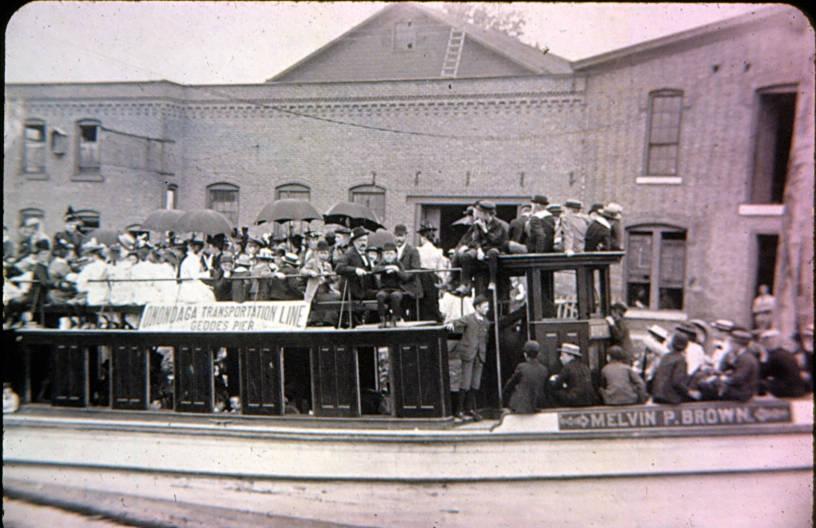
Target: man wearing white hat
{"points": [[573, 385]]}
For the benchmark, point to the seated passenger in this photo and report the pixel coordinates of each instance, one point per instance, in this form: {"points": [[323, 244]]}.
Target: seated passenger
{"points": [[354, 266], [573, 385], [741, 375], [620, 384], [528, 385], [779, 370], [392, 282], [487, 237], [670, 384]]}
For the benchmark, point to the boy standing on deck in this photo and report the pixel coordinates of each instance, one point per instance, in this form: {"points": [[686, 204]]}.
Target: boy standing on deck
{"points": [[473, 352]]}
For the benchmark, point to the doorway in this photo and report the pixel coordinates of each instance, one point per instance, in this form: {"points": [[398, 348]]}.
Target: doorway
{"points": [[766, 261]]}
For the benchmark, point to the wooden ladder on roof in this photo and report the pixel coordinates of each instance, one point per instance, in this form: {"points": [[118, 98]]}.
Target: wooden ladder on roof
{"points": [[453, 54]]}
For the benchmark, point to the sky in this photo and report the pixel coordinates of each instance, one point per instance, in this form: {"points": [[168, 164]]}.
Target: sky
{"points": [[249, 42]]}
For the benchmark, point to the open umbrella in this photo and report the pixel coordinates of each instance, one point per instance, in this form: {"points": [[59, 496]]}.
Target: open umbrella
{"points": [[352, 214], [288, 210], [162, 220], [379, 238], [108, 237], [204, 221]]}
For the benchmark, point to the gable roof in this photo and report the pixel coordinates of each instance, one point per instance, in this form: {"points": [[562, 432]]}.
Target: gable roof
{"points": [[528, 57]]}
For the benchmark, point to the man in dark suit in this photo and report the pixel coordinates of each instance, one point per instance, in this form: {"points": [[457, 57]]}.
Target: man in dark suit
{"points": [[472, 350], [528, 383], [741, 377], [70, 237], [517, 232], [409, 259], [619, 330], [354, 267], [541, 227], [671, 380], [599, 232], [488, 237], [573, 385]]}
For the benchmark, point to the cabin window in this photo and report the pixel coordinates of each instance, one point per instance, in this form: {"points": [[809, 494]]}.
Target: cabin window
{"points": [[774, 133], [89, 139], [665, 111], [34, 147], [223, 197], [656, 267], [372, 196], [404, 36]]}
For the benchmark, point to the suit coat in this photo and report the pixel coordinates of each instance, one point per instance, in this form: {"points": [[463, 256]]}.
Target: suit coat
{"points": [[573, 385], [620, 385], [619, 333], [474, 337], [782, 374], [541, 234], [598, 237], [410, 260], [517, 231], [670, 384], [573, 228], [529, 387], [742, 380], [346, 267], [494, 238]]}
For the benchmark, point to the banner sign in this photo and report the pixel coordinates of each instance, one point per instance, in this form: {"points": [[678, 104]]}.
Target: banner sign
{"points": [[225, 317], [694, 414]]}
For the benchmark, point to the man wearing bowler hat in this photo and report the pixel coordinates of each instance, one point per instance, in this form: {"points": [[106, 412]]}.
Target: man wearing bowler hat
{"points": [[599, 232], [70, 237], [409, 258], [541, 227], [355, 269], [488, 236], [528, 385], [741, 377], [573, 385]]}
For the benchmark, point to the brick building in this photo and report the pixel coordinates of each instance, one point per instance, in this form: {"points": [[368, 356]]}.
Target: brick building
{"points": [[418, 116]]}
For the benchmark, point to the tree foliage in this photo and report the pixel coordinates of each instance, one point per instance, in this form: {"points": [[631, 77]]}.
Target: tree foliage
{"points": [[489, 16]]}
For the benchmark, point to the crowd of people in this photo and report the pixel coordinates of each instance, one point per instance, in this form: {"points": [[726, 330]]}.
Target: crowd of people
{"points": [[73, 269]]}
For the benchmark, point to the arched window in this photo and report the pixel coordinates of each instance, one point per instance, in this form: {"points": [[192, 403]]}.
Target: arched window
{"points": [[655, 266], [223, 197], [90, 219], [31, 212], [663, 142], [34, 146], [372, 196], [295, 191], [89, 134]]}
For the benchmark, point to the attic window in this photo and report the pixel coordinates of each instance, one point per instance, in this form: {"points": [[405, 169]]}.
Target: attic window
{"points": [[404, 36]]}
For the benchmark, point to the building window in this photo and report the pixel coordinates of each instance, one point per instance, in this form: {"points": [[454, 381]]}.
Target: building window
{"points": [[89, 219], [665, 110], [404, 36], [223, 197], [31, 212], [372, 196], [34, 147], [294, 191], [655, 267], [89, 136], [774, 133]]}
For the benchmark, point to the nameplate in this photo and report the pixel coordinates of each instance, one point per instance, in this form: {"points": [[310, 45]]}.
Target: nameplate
{"points": [[685, 415], [225, 317]]}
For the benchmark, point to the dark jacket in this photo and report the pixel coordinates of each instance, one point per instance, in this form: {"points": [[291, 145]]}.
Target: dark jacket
{"points": [[360, 287], [222, 287], [391, 281], [241, 288], [529, 387], [573, 386], [474, 337], [494, 238], [541, 234], [619, 333], [742, 380], [287, 289], [620, 385], [598, 237], [517, 231], [782, 374], [670, 384], [410, 260]]}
